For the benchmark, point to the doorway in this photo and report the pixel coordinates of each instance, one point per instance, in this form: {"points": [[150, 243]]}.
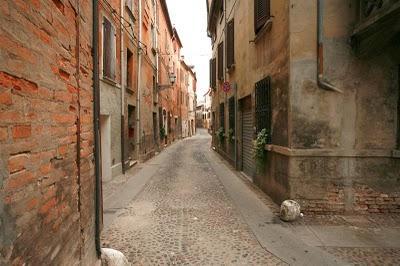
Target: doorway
{"points": [[105, 147]]}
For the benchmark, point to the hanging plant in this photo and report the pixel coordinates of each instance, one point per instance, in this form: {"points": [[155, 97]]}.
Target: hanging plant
{"points": [[231, 135], [221, 135], [162, 133], [260, 154]]}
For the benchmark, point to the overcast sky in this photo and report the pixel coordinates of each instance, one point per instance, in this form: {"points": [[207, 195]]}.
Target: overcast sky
{"points": [[190, 19]]}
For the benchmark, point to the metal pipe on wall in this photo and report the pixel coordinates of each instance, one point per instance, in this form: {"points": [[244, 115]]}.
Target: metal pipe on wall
{"points": [[96, 118], [123, 79], [139, 81], [322, 82]]}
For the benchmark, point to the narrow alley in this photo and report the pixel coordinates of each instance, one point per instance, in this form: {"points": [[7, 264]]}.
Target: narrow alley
{"points": [[195, 210]]}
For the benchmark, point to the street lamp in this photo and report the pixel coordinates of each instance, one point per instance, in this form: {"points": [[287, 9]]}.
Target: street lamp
{"points": [[172, 80]]}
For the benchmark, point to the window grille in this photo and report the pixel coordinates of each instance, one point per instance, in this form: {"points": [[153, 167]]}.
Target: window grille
{"points": [[232, 114], [263, 106], [222, 115]]}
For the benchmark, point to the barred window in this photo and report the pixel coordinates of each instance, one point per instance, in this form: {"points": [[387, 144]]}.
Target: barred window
{"points": [[263, 106], [222, 115], [232, 114]]}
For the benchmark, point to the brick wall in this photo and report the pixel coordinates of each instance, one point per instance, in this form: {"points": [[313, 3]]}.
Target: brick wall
{"points": [[46, 140]]}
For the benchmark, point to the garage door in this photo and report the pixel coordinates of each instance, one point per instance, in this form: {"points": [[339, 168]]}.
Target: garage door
{"points": [[248, 162]]}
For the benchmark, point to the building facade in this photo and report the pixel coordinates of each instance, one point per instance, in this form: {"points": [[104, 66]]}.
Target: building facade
{"points": [[47, 192], [330, 107]]}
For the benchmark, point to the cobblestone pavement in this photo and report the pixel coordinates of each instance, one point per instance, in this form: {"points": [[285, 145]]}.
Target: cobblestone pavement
{"points": [[183, 216]]}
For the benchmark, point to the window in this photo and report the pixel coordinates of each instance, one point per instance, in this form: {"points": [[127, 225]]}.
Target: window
{"points": [[230, 44], [109, 52], [263, 106], [213, 73], [222, 115], [221, 61], [129, 69], [261, 14], [232, 114]]}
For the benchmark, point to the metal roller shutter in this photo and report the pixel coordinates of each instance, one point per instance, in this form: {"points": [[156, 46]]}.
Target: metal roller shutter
{"points": [[248, 163]]}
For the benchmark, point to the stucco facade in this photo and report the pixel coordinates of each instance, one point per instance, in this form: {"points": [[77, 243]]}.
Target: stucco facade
{"points": [[334, 116]]}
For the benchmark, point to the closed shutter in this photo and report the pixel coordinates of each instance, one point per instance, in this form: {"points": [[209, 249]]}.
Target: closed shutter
{"points": [[221, 61], [230, 44], [261, 13], [214, 73], [248, 162], [108, 49], [211, 72]]}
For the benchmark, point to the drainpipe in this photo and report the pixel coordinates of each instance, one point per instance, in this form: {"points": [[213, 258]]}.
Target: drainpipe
{"points": [[157, 67], [323, 83], [96, 117], [139, 81], [123, 79]]}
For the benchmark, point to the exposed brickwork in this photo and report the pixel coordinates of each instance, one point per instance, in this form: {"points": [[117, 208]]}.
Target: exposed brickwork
{"points": [[46, 197]]}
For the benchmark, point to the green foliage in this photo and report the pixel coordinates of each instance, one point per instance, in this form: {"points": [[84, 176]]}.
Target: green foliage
{"points": [[162, 133], [260, 154], [221, 135]]}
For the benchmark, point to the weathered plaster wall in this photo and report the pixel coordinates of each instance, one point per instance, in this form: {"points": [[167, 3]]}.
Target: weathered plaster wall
{"points": [[255, 59], [47, 213], [358, 125]]}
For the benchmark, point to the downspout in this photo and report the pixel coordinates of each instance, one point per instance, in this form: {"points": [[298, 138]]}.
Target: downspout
{"points": [[123, 79], [96, 117], [322, 82], [157, 74], [139, 81]]}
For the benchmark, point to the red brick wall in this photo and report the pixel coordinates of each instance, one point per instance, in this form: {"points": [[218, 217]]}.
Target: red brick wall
{"points": [[47, 186]]}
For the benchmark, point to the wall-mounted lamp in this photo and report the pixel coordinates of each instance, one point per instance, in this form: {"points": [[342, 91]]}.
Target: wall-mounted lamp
{"points": [[172, 80]]}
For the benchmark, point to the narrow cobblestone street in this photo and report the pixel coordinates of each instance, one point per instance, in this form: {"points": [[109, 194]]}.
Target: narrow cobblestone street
{"points": [[184, 216], [193, 210]]}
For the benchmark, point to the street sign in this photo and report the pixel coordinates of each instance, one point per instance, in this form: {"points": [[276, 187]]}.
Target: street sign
{"points": [[226, 87]]}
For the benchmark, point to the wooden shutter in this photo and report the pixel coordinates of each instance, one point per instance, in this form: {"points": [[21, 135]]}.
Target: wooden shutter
{"points": [[214, 73], [230, 44], [211, 72], [261, 13], [106, 48], [221, 61]]}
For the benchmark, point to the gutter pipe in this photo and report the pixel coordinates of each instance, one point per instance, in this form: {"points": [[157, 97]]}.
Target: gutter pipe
{"points": [[322, 82], [139, 81], [96, 117], [123, 79]]}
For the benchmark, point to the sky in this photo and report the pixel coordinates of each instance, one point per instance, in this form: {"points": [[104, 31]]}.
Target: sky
{"points": [[190, 19]]}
